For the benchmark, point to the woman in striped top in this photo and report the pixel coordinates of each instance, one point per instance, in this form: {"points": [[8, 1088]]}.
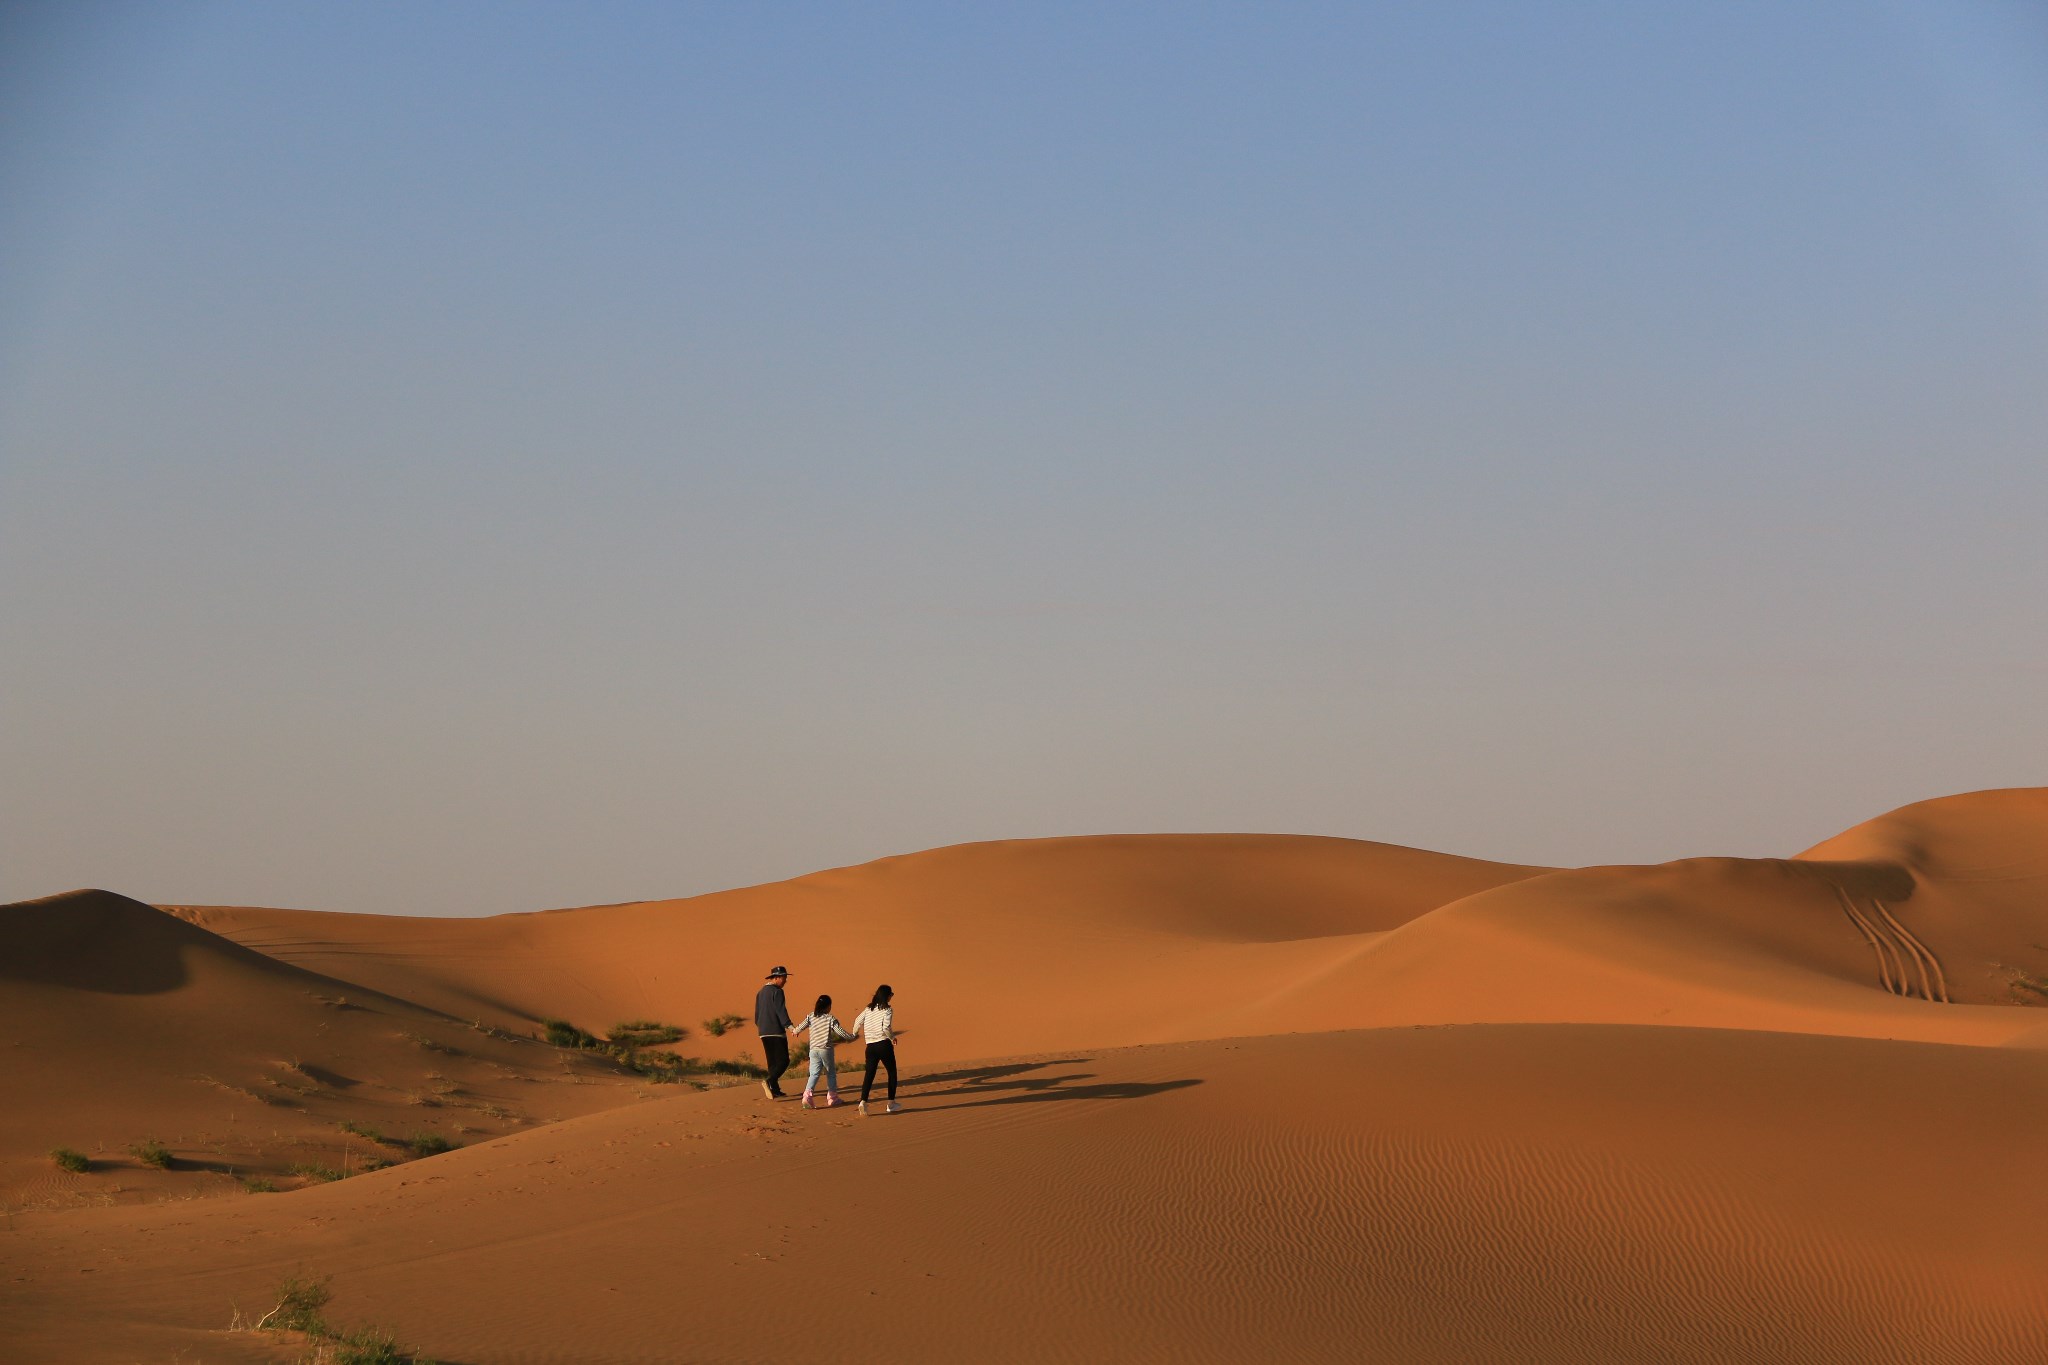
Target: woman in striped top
{"points": [[877, 1024], [826, 1032]]}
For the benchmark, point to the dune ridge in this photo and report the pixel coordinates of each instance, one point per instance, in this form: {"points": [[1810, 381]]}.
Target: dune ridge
{"points": [[1265, 1098], [1311, 933]]}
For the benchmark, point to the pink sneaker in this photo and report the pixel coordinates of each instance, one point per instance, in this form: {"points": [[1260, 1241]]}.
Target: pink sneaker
{"points": [[832, 1101], [807, 1100]]}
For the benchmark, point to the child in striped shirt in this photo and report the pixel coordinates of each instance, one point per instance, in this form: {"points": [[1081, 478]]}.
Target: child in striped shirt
{"points": [[825, 1032]]}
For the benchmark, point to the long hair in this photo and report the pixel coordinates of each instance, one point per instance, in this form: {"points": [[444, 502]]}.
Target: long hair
{"points": [[824, 1005], [881, 1000]]}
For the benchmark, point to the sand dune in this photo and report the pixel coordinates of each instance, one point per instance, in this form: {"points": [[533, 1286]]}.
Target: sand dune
{"points": [[1284, 1098], [1473, 1194], [129, 1025], [1128, 934], [1176, 938]]}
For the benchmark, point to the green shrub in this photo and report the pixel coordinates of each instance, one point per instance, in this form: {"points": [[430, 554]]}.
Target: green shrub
{"points": [[719, 1026], [429, 1144], [362, 1130], [731, 1068], [301, 1307], [68, 1160], [562, 1033], [313, 1171], [152, 1153], [259, 1185], [368, 1347], [644, 1033], [299, 1302]]}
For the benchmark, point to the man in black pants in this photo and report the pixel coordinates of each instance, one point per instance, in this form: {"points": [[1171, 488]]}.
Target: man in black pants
{"points": [[771, 1019]]}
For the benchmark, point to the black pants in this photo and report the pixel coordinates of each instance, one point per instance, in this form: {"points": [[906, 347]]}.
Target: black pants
{"points": [[879, 1054], [777, 1051]]}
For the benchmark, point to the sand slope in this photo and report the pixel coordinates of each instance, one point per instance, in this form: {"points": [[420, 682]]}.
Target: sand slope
{"points": [[1288, 1098], [125, 1024], [1129, 934], [1182, 937], [1567, 1194]]}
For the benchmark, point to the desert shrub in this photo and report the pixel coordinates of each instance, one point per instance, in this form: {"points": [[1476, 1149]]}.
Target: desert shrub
{"points": [[724, 1067], [644, 1033], [562, 1033], [663, 1066], [314, 1171], [152, 1153], [299, 1305], [367, 1346], [259, 1185], [364, 1346], [362, 1130], [68, 1160], [421, 1040], [723, 1024], [429, 1144]]}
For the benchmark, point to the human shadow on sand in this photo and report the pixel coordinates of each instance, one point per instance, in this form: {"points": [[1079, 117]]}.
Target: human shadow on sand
{"points": [[1010, 1084]]}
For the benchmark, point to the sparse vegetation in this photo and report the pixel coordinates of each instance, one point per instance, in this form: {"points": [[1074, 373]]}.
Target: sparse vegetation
{"points": [[152, 1153], [418, 1039], [299, 1307], [257, 1184], [429, 1144], [724, 1067], [363, 1346], [2027, 981], [302, 1307], [362, 1130], [314, 1171], [655, 1065], [67, 1160], [637, 1033]]}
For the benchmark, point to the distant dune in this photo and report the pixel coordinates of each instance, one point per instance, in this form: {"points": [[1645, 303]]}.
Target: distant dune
{"points": [[1266, 1098]]}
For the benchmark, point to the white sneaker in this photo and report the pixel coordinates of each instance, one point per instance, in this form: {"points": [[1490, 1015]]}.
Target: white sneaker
{"points": [[863, 1108], [768, 1090], [895, 1108]]}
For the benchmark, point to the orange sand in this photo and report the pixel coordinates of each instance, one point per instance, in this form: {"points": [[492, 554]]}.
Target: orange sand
{"points": [[1271, 1099]]}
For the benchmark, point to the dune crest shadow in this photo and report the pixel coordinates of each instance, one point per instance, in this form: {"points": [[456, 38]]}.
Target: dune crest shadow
{"points": [[1012, 1083]]}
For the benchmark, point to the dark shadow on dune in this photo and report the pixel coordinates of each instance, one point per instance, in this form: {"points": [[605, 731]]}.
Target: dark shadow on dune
{"points": [[1010, 1084], [94, 941], [325, 1077], [981, 1074]]}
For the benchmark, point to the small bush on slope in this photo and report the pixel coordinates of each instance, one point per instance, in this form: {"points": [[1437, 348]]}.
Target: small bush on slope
{"points": [[644, 1033], [723, 1024]]}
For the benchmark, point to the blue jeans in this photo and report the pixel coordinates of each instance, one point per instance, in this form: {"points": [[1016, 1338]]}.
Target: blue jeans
{"points": [[823, 1060]]}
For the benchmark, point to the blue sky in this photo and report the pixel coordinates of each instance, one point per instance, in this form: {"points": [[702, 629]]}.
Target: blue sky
{"points": [[476, 457]]}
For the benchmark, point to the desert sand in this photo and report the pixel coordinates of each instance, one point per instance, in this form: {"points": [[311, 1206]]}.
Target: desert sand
{"points": [[1170, 1098]]}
